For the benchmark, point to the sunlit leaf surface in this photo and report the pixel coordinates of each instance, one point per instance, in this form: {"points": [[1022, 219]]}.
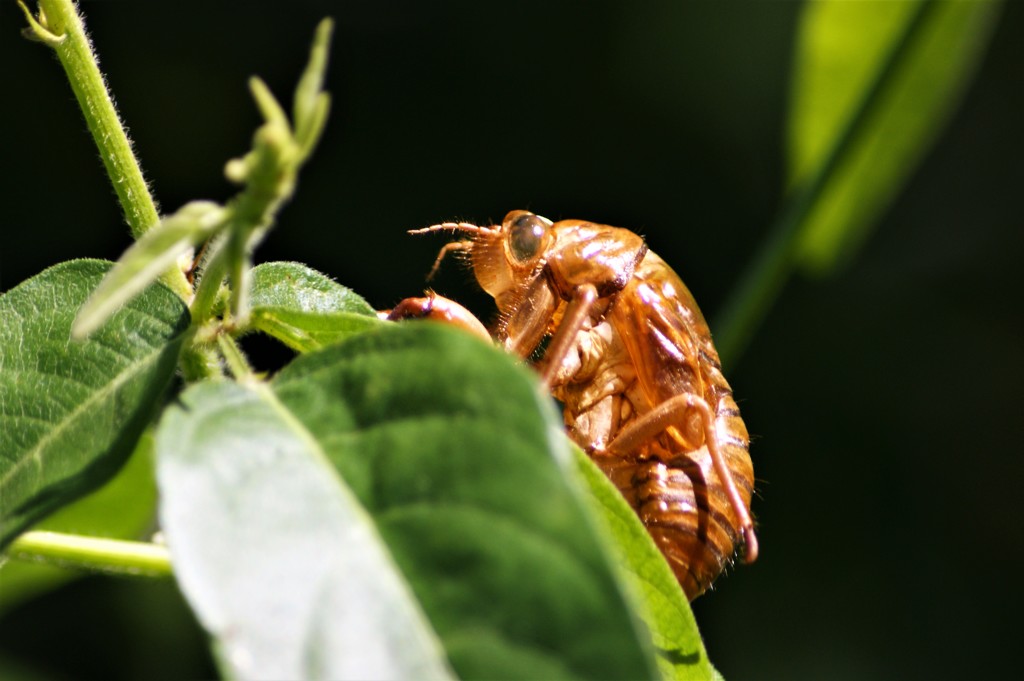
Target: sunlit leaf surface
{"points": [[305, 309]]}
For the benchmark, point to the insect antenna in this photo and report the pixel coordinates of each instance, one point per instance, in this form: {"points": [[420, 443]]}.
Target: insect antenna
{"points": [[455, 227], [463, 246]]}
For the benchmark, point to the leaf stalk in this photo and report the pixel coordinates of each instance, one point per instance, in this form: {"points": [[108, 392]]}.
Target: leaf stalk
{"points": [[93, 554]]}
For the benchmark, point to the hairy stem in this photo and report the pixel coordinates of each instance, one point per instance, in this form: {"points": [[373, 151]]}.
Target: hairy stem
{"points": [[60, 26], [235, 359]]}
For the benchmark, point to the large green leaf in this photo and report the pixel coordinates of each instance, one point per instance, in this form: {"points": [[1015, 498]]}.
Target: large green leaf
{"points": [[894, 71], [658, 597], [305, 309], [466, 472], [448, 456], [70, 412]]}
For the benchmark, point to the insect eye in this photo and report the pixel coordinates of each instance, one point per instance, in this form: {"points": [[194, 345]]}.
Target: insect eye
{"points": [[526, 235]]}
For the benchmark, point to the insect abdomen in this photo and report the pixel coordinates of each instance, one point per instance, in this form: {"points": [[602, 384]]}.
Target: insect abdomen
{"points": [[685, 509], [677, 493]]}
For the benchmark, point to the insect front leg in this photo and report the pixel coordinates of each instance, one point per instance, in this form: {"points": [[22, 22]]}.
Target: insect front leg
{"points": [[452, 247], [671, 413], [440, 309], [562, 342]]}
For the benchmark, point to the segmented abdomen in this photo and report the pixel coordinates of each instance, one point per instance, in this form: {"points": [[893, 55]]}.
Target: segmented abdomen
{"points": [[682, 503], [677, 493]]}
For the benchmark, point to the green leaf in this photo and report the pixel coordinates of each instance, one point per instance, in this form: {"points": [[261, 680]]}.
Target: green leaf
{"points": [[71, 412], [305, 309], [295, 286], [450, 460], [874, 83], [655, 591], [465, 471], [124, 508], [279, 562]]}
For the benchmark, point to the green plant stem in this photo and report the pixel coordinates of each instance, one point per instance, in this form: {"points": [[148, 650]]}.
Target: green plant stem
{"points": [[94, 554], [60, 26], [210, 280], [763, 281], [237, 363]]}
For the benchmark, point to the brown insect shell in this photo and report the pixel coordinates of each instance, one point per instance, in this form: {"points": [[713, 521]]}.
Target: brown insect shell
{"points": [[660, 336], [588, 253], [646, 342], [571, 253]]}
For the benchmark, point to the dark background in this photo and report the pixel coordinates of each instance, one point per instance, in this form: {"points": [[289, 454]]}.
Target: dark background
{"points": [[884, 401]]}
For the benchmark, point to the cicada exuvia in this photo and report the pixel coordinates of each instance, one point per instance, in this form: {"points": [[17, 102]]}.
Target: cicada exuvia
{"points": [[631, 360]]}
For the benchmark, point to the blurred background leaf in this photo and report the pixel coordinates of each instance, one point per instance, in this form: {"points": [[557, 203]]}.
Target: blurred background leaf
{"points": [[921, 56], [872, 84]]}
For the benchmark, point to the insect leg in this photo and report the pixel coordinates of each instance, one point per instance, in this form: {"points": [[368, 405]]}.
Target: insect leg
{"points": [[438, 308], [572, 321], [669, 413], [445, 250]]}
